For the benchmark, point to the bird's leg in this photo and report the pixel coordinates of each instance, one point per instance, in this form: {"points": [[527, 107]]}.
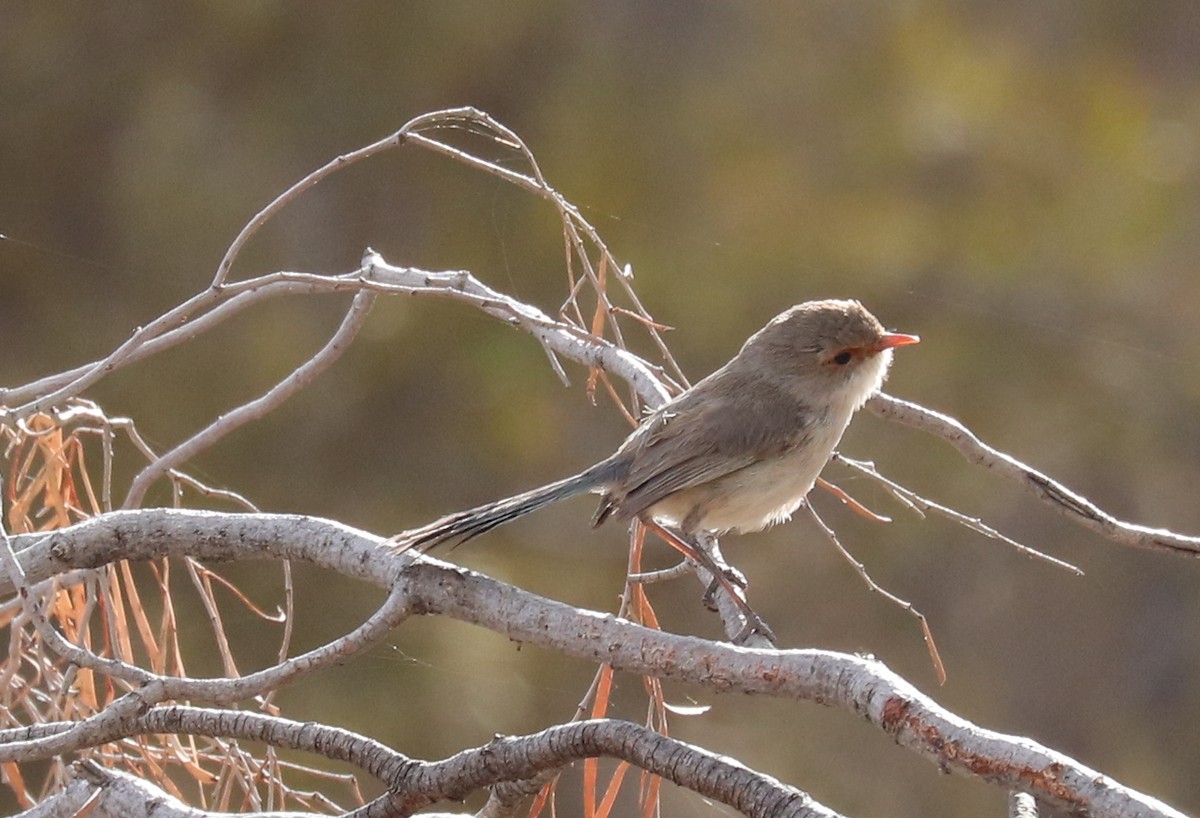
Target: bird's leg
{"points": [[730, 579], [709, 544]]}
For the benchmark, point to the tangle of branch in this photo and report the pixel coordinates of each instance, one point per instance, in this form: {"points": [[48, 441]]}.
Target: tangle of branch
{"points": [[60, 578], [860, 686]]}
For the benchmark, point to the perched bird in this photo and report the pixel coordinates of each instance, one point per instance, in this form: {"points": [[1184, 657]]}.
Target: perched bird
{"points": [[738, 451]]}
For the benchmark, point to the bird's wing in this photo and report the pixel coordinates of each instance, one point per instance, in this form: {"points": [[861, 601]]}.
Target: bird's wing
{"points": [[688, 444], [694, 471]]}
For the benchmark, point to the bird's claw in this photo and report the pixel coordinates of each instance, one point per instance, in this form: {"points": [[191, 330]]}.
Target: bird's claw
{"points": [[754, 625], [735, 576], [731, 575]]}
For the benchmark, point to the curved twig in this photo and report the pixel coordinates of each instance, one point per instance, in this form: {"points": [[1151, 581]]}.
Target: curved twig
{"points": [[414, 784], [858, 685], [300, 377], [1070, 504]]}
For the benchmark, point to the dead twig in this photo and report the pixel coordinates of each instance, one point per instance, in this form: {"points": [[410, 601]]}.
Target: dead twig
{"points": [[1071, 504], [921, 504], [903, 604]]}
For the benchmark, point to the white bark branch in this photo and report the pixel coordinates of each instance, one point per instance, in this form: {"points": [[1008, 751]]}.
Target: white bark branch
{"points": [[415, 784], [1071, 504], [356, 318], [117, 794], [425, 586], [559, 338], [860, 686]]}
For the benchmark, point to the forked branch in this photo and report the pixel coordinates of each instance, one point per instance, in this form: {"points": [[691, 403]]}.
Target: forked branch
{"points": [[586, 329], [858, 685]]}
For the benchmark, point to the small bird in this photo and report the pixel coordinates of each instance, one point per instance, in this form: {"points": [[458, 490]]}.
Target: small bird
{"points": [[737, 452]]}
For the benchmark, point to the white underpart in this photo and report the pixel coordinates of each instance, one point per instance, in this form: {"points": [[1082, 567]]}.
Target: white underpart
{"points": [[769, 491]]}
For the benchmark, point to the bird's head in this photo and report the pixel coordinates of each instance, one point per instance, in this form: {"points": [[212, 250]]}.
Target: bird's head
{"points": [[831, 348]]}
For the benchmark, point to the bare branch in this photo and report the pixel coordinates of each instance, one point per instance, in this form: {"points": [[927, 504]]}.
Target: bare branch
{"points": [[577, 230], [223, 690], [73, 653], [182, 323], [415, 784], [860, 686], [117, 794], [680, 569], [904, 605], [432, 120], [1070, 504], [921, 504], [557, 336], [1022, 805], [300, 377], [581, 334], [517, 758], [201, 313]]}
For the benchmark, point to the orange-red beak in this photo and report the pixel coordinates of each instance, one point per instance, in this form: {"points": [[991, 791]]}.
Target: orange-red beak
{"points": [[897, 339]]}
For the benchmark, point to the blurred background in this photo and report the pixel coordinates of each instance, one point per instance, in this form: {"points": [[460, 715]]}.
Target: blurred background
{"points": [[1016, 182]]}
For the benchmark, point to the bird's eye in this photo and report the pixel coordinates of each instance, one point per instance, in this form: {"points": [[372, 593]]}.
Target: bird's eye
{"points": [[842, 358]]}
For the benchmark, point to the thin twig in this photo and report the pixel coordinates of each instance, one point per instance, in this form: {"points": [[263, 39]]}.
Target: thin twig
{"points": [[50, 636], [903, 604], [681, 569], [1069, 503], [300, 377], [922, 504], [180, 324], [850, 502]]}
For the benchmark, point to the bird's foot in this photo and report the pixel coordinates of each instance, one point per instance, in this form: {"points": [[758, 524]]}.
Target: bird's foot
{"points": [[732, 576], [755, 626]]}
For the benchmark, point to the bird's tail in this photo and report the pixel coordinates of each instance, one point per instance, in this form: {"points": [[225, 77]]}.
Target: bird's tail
{"points": [[466, 525]]}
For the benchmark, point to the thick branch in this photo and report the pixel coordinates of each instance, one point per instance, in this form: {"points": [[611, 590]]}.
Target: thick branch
{"points": [[852, 683], [518, 758], [121, 795], [430, 587], [415, 784]]}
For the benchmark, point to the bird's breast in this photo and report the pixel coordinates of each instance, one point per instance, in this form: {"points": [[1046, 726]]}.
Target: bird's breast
{"points": [[758, 495]]}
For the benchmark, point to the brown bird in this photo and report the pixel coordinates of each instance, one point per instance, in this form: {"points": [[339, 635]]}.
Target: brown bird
{"points": [[737, 452]]}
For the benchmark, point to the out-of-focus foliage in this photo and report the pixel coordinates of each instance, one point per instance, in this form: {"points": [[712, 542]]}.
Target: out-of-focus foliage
{"points": [[1017, 182]]}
